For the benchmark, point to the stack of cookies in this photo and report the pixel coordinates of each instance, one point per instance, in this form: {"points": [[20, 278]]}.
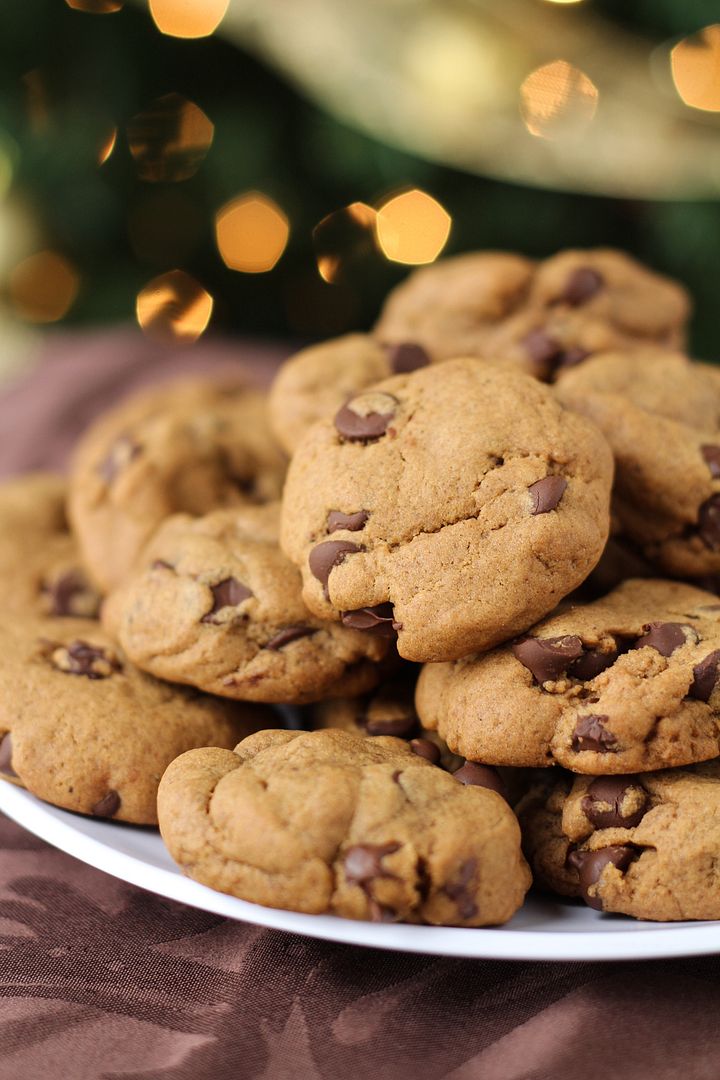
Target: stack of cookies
{"points": [[486, 581]]}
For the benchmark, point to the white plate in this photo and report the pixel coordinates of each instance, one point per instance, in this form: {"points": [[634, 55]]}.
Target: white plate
{"points": [[543, 930]]}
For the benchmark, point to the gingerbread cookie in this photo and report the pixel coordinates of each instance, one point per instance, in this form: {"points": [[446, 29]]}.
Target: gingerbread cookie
{"points": [[40, 568], [328, 822], [625, 684], [81, 728], [646, 844], [453, 506], [214, 603], [187, 447]]}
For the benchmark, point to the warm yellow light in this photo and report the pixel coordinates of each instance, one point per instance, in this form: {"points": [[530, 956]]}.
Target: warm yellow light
{"points": [[43, 287], [251, 232], [107, 147], [557, 99], [412, 228], [174, 308], [695, 66], [188, 18], [343, 235], [96, 7], [170, 139]]}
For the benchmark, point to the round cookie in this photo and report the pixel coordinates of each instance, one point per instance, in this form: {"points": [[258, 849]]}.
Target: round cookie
{"points": [[625, 684], [328, 822], [81, 728], [454, 506], [40, 569], [540, 317], [317, 381], [214, 603], [646, 844], [187, 447], [661, 415]]}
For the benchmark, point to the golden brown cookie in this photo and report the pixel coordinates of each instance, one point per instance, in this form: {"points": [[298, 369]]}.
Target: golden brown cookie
{"points": [[215, 604], [40, 569], [625, 684], [82, 728], [455, 506], [326, 821], [187, 447], [646, 845]]}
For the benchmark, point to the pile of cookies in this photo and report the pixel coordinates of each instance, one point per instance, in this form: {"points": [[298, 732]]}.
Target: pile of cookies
{"points": [[477, 550]]}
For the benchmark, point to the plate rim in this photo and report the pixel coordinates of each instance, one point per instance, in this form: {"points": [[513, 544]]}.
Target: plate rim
{"points": [[664, 941]]}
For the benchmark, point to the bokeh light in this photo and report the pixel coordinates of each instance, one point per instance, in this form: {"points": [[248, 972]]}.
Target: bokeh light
{"points": [[564, 1], [188, 18], [557, 99], [107, 147], [342, 236], [412, 228], [251, 232], [96, 7], [170, 139], [695, 66], [43, 287], [174, 308]]}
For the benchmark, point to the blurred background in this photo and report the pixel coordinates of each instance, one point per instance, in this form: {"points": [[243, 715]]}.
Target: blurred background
{"points": [[273, 167]]}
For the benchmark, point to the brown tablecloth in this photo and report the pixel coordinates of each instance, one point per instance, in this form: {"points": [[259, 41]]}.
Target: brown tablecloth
{"points": [[102, 980]]}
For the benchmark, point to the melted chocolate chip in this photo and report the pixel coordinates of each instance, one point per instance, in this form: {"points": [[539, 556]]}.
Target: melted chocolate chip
{"points": [[591, 734], [366, 417], [108, 806], [590, 865], [71, 594], [461, 890], [226, 594], [6, 755], [611, 792], [79, 658], [352, 522], [426, 749], [542, 349], [592, 662], [406, 357], [326, 556], [402, 727], [709, 523], [705, 677], [379, 620], [711, 455], [363, 862], [475, 775], [665, 638], [286, 635], [547, 658], [547, 493], [581, 286], [571, 357]]}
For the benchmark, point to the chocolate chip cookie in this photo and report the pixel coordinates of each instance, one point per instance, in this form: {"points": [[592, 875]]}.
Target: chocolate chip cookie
{"points": [[625, 684], [215, 604], [646, 844], [40, 568], [81, 728], [188, 447], [453, 506], [661, 415], [540, 317], [328, 822]]}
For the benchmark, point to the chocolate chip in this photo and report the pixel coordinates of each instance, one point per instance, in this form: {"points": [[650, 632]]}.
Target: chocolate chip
{"points": [[399, 726], [591, 734], [665, 638], [366, 417], [612, 792], [71, 594], [473, 774], [406, 357], [547, 493], [121, 453], [379, 620], [590, 865], [709, 522], [705, 677], [226, 594], [547, 658], [571, 357], [711, 454], [288, 634], [324, 557], [461, 892], [79, 658], [542, 349], [426, 749], [581, 286], [592, 662], [160, 564], [108, 806], [363, 862], [352, 522], [6, 755]]}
